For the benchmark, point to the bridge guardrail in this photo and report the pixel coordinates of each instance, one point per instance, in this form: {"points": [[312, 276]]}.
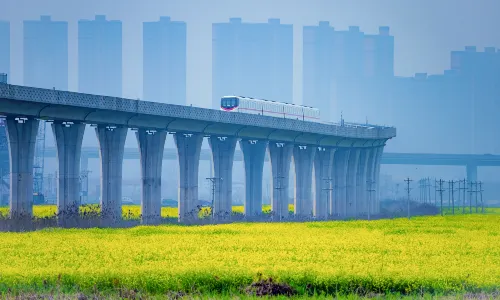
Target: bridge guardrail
{"points": [[48, 96]]}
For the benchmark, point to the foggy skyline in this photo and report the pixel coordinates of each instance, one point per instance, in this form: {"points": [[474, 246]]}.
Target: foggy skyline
{"points": [[425, 32]]}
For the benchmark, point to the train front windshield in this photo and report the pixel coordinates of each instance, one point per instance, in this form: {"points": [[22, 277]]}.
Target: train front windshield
{"points": [[229, 102]]}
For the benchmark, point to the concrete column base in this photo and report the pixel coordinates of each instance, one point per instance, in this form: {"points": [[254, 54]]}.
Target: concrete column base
{"points": [[370, 181], [339, 170], [111, 146], [68, 138], [352, 169], [361, 186], [254, 152], [280, 155], [323, 182], [377, 179], [222, 158], [21, 135], [303, 158], [151, 144], [188, 150]]}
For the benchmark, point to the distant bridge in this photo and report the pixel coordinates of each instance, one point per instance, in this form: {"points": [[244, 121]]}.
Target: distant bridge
{"points": [[470, 161]]}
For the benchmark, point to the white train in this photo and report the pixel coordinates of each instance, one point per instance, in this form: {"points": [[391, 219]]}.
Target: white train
{"points": [[269, 108]]}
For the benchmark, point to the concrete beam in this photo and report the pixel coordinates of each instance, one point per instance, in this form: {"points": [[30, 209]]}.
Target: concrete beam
{"points": [[111, 147], [323, 182], [68, 138], [339, 170], [352, 169], [188, 150], [254, 152], [151, 144], [303, 158], [280, 154], [222, 162], [21, 135]]}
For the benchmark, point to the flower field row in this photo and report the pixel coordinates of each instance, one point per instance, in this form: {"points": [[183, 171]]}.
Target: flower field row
{"points": [[128, 211], [433, 254]]}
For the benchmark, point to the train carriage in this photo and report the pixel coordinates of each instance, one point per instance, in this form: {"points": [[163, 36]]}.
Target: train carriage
{"points": [[269, 108]]}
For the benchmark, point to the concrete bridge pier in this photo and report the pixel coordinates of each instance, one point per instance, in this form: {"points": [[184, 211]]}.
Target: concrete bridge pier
{"points": [[370, 181], [303, 159], [471, 170], [68, 137], [84, 182], [254, 152], [21, 134], [222, 161], [323, 182], [378, 160], [340, 163], [151, 144], [188, 149], [111, 146], [352, 169], [361, 182], [377, 177], [280, 154]]}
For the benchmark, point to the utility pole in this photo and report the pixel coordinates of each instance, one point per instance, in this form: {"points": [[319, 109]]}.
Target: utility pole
{"points": [[449, 193], [370, 190], [453, 197], [408, 189], [475, 192], [279, 187], [481, 194], [435, 192], [464, 188], [441, 181], [213, 183], [470, 196], [328, 190], [397, 189]]}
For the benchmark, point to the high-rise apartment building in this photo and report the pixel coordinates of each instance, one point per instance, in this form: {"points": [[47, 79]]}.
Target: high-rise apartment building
{"points": [[337, 63], [46, 53], [378, 53], [318, 67], [164, 64], [100, 56], [5, 48], [471, 62], [480, 75], [253, 60]]}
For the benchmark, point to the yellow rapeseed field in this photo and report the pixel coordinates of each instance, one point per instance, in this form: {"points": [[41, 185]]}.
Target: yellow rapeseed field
{"points": [[430, 254], [128, 211]]}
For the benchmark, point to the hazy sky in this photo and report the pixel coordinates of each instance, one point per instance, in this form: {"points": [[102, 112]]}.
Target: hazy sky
{"points": [[425, 30]]}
